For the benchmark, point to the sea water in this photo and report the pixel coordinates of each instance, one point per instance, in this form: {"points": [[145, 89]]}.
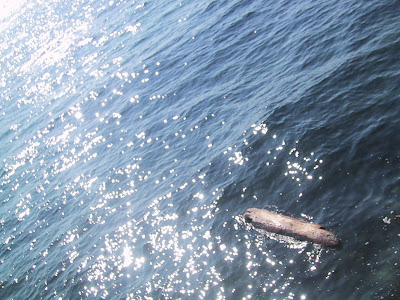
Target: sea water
{"points": [[134, 134]]}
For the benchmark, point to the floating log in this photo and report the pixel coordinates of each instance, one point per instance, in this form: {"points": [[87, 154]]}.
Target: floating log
{"points": [[302, 230]]}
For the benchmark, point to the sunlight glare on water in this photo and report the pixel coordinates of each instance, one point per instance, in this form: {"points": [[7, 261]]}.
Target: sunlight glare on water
{"points": [[135, 134], [9, 8]]}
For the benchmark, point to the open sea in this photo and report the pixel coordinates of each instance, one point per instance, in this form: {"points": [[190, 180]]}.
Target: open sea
{"points": [[134, 135]]}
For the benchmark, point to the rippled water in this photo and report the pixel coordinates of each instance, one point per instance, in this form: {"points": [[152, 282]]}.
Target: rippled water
{"points": [[135, 134]]}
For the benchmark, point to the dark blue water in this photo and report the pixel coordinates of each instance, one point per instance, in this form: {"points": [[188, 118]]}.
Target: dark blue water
{"points": [[135, 134]]}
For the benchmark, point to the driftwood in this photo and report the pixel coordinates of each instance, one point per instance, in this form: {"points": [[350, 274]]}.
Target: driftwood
{"points": [[277, 223]]}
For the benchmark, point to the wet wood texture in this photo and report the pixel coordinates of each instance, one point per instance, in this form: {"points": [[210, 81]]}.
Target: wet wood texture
{"points": [[281, 224]]}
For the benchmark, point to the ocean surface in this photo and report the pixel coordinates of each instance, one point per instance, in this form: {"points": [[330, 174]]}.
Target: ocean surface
{"points": [[134, 134]]}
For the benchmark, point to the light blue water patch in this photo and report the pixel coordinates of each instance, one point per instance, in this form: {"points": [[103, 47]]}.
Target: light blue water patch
{"points": [[135, 134]]}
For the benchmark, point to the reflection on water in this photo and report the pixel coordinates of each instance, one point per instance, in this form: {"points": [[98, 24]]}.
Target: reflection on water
{"points": [[135, 134]]}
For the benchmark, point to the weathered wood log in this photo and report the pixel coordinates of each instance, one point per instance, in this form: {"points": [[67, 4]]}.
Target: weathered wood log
{"points": [[277, 223]]}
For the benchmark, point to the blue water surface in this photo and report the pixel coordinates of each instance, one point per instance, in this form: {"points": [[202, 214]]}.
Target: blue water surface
{"points": [[134, 134]]}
